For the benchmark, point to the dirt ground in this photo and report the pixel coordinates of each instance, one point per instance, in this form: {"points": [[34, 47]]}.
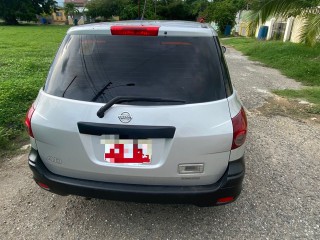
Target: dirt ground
{"points": [[280, 198]]}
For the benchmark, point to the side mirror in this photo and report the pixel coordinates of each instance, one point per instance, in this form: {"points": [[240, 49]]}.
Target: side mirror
{"points": [[224, 49]]}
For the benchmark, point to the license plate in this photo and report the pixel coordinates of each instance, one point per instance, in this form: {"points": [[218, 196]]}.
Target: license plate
{"points": [[126, 150]]}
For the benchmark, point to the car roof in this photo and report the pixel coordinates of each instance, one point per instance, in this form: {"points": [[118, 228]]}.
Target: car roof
{"points": [[167, 28]]}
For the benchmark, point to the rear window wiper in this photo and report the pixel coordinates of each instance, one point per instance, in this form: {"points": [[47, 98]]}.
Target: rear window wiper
{"points": [[121, 99], [107, 87], [64, 92], [101, 92]]}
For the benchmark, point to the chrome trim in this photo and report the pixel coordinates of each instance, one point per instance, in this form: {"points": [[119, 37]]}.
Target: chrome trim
{"points": [[32, 164]]}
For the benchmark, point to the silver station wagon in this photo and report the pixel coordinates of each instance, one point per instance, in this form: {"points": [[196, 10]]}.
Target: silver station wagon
{"points": [[140, 111]]}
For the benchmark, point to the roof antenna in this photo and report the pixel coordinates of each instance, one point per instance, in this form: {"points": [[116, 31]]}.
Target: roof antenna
{"points": [[144, 9]]}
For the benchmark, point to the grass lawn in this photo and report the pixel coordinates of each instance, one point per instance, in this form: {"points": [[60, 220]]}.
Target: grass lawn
{"points": [[26, 53], [311, 94], [296, 61]]}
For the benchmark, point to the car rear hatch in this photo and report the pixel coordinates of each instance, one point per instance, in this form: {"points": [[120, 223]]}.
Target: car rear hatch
{"points": [[182, 139]]}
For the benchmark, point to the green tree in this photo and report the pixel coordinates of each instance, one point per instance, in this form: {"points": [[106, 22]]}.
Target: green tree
{"points": [[70, 9], [198, 6], [25, 10], [177, 10], [308, 10], [155, 9], [223, 12], [108, 8]]}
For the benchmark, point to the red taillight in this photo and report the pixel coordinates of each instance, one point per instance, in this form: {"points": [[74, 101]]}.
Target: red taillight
{"points": [[27, 121], [135, 30], [225, 200], [239, 123]]}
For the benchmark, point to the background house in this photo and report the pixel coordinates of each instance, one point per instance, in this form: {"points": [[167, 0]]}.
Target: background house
{"points": [[277, 28], [80, 14], [59, 16], [80, 4]]}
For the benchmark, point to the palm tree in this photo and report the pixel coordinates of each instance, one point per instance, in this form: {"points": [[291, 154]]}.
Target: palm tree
{"points": [[308, 10], [70, 9]]}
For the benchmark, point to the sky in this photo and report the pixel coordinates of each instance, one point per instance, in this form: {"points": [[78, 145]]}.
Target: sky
{"points": [[60, 2]]}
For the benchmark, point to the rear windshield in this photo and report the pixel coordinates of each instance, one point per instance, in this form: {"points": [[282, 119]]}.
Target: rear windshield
{"points": [[97, 68]]}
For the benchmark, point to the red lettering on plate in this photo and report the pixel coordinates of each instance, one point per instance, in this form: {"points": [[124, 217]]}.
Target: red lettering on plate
{"points": [[116, 155]]}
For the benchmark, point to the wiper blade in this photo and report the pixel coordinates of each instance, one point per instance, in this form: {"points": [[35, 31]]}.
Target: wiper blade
{"points": [[101, 92], [64, 92], [121, 99], [107, 87]]}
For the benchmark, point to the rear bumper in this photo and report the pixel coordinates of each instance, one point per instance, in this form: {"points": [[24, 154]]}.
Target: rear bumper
{"points": [[229, 185]]}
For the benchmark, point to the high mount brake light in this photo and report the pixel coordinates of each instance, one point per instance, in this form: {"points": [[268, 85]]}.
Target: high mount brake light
{"points": [[27, 121], [239, 123], [135, 30]]}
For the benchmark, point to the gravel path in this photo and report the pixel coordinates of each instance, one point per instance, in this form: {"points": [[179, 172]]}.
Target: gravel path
{"points": [[280, 199]]}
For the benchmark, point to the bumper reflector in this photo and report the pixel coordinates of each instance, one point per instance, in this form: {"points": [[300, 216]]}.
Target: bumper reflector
{"points": [[191, 168], [225, 200], [44, 186]]}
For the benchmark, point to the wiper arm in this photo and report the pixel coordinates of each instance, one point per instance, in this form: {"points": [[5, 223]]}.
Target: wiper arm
{"points": [[121, 99]]}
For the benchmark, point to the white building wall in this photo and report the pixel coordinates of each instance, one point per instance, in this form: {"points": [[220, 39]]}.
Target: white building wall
{"points": [[296, 29], [287, 33]]}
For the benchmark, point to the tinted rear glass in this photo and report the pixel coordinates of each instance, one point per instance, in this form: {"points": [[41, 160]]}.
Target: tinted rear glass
{"points": [[184, 68]]}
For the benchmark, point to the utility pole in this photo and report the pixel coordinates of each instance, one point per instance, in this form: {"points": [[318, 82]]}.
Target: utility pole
{"points": [[139, 9], [144, 9]]}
